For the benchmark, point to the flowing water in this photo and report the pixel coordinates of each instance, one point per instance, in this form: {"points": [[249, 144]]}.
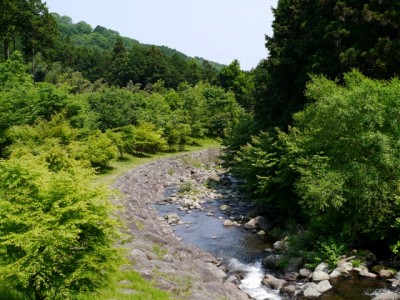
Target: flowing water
{"points": [[242, 251]]}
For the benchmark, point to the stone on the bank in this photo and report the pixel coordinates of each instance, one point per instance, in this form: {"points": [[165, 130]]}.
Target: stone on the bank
{"points": [[308, 285], [311, 293], [320, 275], [228, 223], [397, 276], [261, 233], [366, 273], [323, 286], [306, 273], [257, 222], [289, 289], [291, 276], [281, 245], [322, 267], [335, 274], [395, 282], [348, 266], [387, 296], [386, 273]]}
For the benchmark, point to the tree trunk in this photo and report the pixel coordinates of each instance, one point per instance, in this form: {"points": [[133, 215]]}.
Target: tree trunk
{"points": [[6, 49], [38, 295]]}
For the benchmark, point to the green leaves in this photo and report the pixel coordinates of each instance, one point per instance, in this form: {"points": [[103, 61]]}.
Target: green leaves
{"points": [[340, 159], [57, 236]]}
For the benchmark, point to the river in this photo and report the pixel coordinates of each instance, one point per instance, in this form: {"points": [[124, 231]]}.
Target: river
{"points": [[241, 251]]}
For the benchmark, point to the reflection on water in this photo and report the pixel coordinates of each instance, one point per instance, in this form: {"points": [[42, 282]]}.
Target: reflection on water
{"points": [[209, 234], [355, 288]]}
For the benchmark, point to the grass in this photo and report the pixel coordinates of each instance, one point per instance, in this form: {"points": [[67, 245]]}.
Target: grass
{"points": [[120, 167], [128, 285]]}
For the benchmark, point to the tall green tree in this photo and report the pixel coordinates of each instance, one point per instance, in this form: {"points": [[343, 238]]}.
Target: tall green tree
{"points": [[338, 164], [325, 37], [233, 79], [57, 234], [30, 22]]}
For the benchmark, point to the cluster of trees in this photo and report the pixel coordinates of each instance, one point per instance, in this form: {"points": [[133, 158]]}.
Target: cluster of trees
{"points": [[322, 147], [89, 96], [59, 230], [103, 53]]}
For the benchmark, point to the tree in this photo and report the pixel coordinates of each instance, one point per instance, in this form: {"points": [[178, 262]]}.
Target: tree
{"points": [[340, 159], [58, 235], [233, 79], [28, 21], [325, 37], [114, 107]]}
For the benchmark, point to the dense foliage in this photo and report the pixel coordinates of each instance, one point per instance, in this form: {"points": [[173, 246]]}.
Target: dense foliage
{"points": [[322, 150], [336, 169], [327, 37], [57, 236], [70, 104]]}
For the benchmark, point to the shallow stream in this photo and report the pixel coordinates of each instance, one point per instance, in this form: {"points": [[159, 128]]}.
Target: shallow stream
{"points": [[242, 251]]}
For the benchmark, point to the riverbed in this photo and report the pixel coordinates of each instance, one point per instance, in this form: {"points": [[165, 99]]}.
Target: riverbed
{"points": [[195, 260]]}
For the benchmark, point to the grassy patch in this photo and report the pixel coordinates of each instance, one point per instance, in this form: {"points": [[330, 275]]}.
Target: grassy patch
{"points": [[159, 251], [129, 162], [128, 285]]}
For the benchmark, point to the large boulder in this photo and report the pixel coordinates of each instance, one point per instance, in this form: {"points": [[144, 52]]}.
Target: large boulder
{"points": [[320, 275], [323, 286], [311, 293]]}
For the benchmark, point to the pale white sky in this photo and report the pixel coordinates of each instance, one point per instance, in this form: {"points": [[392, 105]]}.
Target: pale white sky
{"points": [[217, 30]]}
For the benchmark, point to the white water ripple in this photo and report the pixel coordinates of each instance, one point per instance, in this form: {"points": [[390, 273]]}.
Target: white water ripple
{"points": [[251, 283]]}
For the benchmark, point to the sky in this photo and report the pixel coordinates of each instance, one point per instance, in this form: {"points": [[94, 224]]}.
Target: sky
{"points": [[217, 30]]}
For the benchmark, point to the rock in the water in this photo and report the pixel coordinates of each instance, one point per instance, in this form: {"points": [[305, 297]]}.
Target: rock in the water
{"points": [[311, 293], [320, 275], [273, 282], [172, 218], [387, 296], [257, 222], [323, 286], [366, 273], [225, 208], [228, 223]]}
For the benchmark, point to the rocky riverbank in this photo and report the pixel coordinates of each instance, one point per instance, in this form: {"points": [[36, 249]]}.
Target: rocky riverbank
{"points": [[190, 182], [156, 253]]}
